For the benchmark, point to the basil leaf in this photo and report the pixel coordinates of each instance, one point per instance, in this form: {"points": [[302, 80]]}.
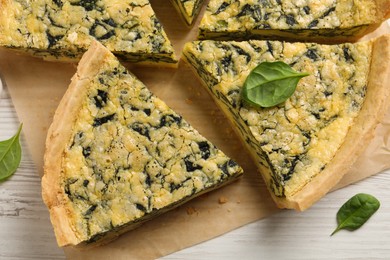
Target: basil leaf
{"points": [[10, 155], [356, 211], [270, 84]]}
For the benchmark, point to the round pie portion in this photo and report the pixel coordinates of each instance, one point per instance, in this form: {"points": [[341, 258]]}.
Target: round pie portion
{"points": [[305, 145], [116, 155]]}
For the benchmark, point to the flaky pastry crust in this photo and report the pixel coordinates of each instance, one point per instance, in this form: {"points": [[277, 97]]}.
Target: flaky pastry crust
{"points": [[58, 136]]}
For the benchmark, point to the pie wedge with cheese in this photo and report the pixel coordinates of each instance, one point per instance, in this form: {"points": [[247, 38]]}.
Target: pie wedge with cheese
{"points": [[63, 29], [305, 145], [116, 155], [326, 21]]}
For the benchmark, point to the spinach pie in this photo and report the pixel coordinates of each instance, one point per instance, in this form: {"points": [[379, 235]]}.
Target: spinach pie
{"points": [[304, 145], [63, 29], [116, 155], [327, 21]]}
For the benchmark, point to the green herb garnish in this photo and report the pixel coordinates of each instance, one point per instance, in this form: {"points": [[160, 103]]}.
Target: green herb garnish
{"points": [[10, 155], [270, 84], [356, 211]]}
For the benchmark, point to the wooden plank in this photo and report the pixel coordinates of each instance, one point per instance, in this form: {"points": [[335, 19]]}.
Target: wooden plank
{"points": [[26, 231]]}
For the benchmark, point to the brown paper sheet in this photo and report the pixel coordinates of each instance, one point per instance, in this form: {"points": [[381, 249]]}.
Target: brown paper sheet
{"points": [[36, 88]]}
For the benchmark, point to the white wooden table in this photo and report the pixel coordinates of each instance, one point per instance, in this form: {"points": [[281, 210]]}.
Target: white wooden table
{"points": [[26, 232]]}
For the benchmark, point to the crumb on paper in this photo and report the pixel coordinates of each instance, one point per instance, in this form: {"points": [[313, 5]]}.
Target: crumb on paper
{"points": [[238, 201], [222, 200], [189, 101], [191, 210]]}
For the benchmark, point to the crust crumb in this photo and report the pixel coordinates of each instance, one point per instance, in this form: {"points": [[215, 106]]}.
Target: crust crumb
{"points": [[222, 200], [191, 210]]}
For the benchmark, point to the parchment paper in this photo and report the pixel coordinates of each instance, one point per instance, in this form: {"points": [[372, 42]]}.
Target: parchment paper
{"points": [[36, 88]]}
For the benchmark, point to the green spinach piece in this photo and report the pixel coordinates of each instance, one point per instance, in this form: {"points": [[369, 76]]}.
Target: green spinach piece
{"points": [[356, 211], [270, 83], [10, 155]]}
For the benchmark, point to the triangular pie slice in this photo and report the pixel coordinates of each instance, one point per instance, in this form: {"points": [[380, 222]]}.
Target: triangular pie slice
{"points": [[188, 9], [116, 155], [63, 30], [305, 145], [312, 20]]}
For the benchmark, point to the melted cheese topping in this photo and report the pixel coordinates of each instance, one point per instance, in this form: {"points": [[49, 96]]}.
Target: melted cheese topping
{"points": [[225, 19], [189, 9], [131, 156], [63, 29], [293, 141]]}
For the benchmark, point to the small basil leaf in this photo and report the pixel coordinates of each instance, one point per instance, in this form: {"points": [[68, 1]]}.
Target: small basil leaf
{"points": [[10, 155], [270, 84], [356, 211]]}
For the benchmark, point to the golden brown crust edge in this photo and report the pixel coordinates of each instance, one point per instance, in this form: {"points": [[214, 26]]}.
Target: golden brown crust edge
{"points": [[359, 136], [383, 9], [382, 14], [58, 136]]}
